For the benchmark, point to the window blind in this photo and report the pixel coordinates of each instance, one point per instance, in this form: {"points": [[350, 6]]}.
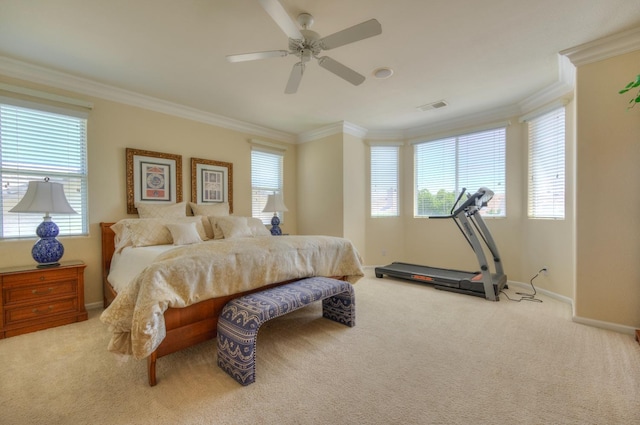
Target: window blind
{"points": [[266, 179], [384, 181], [443, 167], [547, 165], [35, 144]]}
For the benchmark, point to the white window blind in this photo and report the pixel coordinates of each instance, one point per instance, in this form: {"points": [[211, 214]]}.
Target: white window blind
{"points": [[266, 179], [547, 165], [443, 167], [384, 181], [35, 144]]}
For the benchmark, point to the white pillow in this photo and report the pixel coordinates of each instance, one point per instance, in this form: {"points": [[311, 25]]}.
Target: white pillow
{"points": [[156, 210], [216, 209], [152, 231], [184, 233], [211, 210], [257, 228], [233, 227], [122, 236]]}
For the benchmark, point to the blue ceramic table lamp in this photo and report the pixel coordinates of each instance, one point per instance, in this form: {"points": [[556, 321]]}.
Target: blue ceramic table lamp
{"points": [[45, 197], [275, 204]]}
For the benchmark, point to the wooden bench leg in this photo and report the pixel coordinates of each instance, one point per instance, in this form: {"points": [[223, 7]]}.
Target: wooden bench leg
{"points": [[151, 368]]}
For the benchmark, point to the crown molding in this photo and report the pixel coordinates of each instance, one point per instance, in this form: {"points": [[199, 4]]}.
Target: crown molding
{"points": [[561, 89], [36, 74], [604, 48], [342, 127], [468, 121]]}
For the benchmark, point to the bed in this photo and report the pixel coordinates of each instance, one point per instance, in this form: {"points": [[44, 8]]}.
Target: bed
{"points": [[179, 321]]}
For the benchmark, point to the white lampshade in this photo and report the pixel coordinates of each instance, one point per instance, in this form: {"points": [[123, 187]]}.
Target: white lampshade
{"points": [[44, 197], [275, 204]]}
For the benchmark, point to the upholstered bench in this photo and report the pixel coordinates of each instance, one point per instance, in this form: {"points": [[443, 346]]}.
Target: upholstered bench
{"points": [[242, 317]]}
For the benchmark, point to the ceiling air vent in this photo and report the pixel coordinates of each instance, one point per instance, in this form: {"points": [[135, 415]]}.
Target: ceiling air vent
{"points": [[433, 105]]}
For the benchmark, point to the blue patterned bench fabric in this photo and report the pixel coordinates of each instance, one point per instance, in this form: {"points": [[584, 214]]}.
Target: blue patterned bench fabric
{"points": [[242, 317]]}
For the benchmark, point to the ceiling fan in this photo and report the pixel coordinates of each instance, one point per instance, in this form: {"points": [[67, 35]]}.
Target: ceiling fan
{"points": [[306, 44]]}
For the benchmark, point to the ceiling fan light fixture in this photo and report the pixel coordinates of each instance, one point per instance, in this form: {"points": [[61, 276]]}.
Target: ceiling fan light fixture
{"points": [[382, 73]]}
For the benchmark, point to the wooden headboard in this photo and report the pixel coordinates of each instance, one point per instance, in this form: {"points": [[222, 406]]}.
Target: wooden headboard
{"points": [[108, 245], [108, 248]]}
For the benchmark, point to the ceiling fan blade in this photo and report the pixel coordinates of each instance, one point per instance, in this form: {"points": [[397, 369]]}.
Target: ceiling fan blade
{"points": [[340, 70], [294, 78], [282, 18], [349, 35], [257, 55]]}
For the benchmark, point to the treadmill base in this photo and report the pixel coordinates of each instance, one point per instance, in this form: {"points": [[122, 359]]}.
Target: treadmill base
{"points": [[461, 282]]}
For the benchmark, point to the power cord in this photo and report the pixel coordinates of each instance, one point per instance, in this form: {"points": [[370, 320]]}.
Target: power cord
{"points": [[525, 296]]}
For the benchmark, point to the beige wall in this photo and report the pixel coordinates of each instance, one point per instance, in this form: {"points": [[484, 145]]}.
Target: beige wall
{"points": [[320, 187], [332, 188], [608, 199], [354, 192], [112, 128]]}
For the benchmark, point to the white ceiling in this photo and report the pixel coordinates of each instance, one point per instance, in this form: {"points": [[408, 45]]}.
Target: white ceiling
{"points": [[476, 55]]}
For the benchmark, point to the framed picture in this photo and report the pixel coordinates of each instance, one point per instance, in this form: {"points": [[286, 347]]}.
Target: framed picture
{"points": [[153, 177], [211, 182]]}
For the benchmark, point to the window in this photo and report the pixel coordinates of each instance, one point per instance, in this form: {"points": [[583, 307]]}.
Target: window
{"points": [[443, 167], [546, 165], [384, 181], [37, 142], [266, 179]]}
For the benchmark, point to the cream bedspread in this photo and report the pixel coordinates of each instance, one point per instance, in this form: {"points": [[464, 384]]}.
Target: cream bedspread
{"points": [[189, 274]]}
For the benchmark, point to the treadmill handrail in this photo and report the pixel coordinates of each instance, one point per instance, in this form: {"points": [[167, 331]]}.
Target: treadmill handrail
{"points": [[471, 200], [451, 213]]}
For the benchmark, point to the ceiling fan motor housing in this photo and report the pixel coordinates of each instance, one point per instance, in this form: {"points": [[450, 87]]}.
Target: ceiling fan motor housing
{"points": [[307, 47]]}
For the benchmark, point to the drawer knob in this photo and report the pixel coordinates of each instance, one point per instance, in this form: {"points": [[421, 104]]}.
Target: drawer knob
{"points": [[36, 311], [36, 292], [42, 278]]}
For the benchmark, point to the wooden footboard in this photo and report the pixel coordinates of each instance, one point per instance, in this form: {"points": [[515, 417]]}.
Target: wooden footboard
{"points": [[186, 326]]}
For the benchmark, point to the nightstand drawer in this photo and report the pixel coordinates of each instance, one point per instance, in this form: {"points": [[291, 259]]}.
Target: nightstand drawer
{"points": [[42, 276], [36, 311], [35, 293]]}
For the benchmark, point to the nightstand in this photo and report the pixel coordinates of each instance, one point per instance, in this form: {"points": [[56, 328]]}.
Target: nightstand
{"points": [[32, 298]]}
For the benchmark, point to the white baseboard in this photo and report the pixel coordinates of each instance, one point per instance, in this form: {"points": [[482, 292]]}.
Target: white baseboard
{"points": [[604, 325], [94, 306], [582, 320]]}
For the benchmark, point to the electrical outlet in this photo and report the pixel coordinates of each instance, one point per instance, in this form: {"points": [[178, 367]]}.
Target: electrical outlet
{"points": [[384, 252], [544, 270]]}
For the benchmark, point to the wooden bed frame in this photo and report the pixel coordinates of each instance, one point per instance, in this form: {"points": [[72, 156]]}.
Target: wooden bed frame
{"points": [[185, 326]]}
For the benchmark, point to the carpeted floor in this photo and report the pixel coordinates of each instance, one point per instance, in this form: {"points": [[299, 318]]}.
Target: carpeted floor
{"points": [[416, 356]]}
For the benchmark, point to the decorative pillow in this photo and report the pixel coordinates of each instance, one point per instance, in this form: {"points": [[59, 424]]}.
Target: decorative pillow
{"points": [[217, 209], [156, 210], [233, 227], [211, 210], [184, 233], [154, 231], [257, 227], [122, 237]]}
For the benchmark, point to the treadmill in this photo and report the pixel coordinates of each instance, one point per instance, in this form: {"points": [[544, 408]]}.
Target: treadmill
{"points": [[482, 283]]}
